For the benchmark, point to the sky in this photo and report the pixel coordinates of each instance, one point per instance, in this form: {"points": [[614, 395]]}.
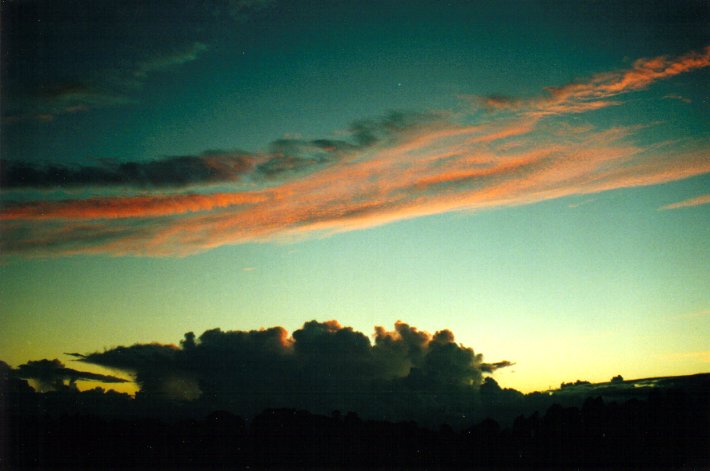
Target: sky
{"points": [[533, 177]]}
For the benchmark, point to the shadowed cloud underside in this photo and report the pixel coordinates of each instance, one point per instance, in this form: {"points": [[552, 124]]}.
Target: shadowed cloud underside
{"points": [[323, 366]]}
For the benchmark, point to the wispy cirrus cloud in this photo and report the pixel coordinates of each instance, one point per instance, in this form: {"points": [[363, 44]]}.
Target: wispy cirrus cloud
{"points": [[97, 89], [129, 207], [597, 92], [689, 203], [241, 10], [398, 167], [168, 60], [674, 96], [62, 58]]}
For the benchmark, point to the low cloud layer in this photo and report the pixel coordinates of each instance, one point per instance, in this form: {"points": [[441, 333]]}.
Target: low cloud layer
{"points": [[53, 375], [379, 171], [323, 366]]}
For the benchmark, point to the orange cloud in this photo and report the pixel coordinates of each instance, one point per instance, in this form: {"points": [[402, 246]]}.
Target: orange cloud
{"points": [[130, 207], [421, 170], [387, 185], [595, 92]]}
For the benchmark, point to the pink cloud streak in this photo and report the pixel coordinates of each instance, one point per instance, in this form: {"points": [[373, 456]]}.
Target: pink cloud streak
{"points": [[689, 203], [595, 92], [443, 167], [128, 207]]}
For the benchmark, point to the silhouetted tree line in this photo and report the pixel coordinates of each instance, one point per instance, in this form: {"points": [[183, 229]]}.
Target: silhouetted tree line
{"points": [[670, 428]]}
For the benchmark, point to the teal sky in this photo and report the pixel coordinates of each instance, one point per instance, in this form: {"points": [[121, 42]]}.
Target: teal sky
{"points": [[531, 175]]}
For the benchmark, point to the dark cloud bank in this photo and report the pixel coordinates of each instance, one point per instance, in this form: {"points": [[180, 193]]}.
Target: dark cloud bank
{"points": [[52, 375], [169, 172], [284, 158], [403, 374], [329, 397]]}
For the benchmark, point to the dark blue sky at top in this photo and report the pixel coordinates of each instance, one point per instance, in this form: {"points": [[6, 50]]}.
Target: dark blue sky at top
{"points": [[310, 68]]}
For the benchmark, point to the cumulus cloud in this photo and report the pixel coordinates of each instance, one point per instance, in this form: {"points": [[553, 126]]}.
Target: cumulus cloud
{"points": [[321, 367], [53, 375], [400, 166]]}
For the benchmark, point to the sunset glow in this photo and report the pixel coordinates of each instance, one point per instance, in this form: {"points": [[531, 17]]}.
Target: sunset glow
{"points": [[522, 184]]}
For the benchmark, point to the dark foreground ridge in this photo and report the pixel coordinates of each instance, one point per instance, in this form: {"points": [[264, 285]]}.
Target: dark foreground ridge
{"points": [[667, 428]]}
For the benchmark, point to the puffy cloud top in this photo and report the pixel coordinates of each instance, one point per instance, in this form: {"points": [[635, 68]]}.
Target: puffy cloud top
{"points": [[323, 366]]}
